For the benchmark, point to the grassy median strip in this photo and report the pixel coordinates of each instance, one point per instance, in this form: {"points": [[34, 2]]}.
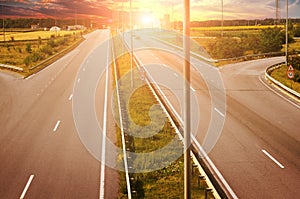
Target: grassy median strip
{"points": [[280, 74], [166, 182]]}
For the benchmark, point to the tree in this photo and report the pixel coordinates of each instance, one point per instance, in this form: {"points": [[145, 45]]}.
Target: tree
{"points": [[226, 47], [271, 40], [296, 31]]}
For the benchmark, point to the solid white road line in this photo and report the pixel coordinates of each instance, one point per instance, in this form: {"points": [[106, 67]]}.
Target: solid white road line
{"points": [[217, 110], [56, 126], [78, 80], [103, 155], [27, 186], [277, 93], [193, 89], [272, 158], [71, 96]]}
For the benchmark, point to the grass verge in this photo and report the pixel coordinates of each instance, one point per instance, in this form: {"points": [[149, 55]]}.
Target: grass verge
{"points": [[34, 55], [281, 76]]}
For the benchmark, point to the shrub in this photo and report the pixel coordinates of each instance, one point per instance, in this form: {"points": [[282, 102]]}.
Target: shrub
{"points": [[36, 56], [47, 50], [226, 47], [295, 61], [28, 48], [40, 40], [27, 61]]}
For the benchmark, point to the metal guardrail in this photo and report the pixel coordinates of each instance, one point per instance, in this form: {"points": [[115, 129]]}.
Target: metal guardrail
{"points": [[193, 53], [274, 81], [11, 67], [211, 60], [247, 57]]}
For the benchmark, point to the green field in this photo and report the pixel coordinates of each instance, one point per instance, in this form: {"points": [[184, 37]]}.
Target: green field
{"points": [[18, 36], [234, 28], [32, 51]]}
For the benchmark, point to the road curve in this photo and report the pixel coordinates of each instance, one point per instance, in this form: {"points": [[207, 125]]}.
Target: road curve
{"points": [[258, 151]]}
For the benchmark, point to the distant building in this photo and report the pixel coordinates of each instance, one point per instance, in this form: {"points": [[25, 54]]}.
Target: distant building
{"points": [[35, 26], [76, 27], [55, 29]]}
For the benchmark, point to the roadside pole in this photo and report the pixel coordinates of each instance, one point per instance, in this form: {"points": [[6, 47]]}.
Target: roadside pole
{"points": [[286, 32], [186, 88], [131, 45]]}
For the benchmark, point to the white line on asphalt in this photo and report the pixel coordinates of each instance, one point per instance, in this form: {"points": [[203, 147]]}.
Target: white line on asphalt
{"points": [[203, 153], [71, 96], [56, 126], [27, 186], [272, 158], [103, 155], [217, 110], [283, 97], [193, 89], [78, 80]]}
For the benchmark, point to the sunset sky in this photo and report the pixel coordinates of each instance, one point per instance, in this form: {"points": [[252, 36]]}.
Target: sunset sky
{"points": [[102, 9]]}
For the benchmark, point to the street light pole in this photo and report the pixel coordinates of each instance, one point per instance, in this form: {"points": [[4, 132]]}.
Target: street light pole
{"points": [[222, 23], [3, 25], [286, 32], [186, 88], [131, 45]]}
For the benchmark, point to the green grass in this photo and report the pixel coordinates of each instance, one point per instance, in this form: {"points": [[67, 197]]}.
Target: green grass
{"points": [[281, 76], [33, 51], [292, 46], [19, 36], [235, 28]]}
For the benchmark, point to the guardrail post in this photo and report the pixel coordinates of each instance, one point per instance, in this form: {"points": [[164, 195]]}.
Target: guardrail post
{"points": [[207, 190], [200, 178]]}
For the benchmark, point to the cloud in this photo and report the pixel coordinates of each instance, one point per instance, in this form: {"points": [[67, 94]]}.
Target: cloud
{"points": [[55, 8], [200, 9]]}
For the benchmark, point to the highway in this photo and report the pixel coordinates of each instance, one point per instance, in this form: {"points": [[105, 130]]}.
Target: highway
{"points": [[41, 153], [258, 151]]}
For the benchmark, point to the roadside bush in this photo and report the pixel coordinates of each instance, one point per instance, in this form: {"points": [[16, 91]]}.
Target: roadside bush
{"points": [[251, 43], [40, 40], [34, 57], [27, 61], [226, 47], [271, 40], [297, 31], [47, 50], [295, 61], [28, 48]]}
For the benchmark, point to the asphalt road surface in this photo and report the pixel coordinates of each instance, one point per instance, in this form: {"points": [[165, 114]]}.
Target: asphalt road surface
{"points": [[258, 152], [41, 154]]}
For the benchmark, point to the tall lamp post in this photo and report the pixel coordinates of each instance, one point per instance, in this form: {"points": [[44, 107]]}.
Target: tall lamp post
{"points": [[186, 88], [286, 32], [3, 25], [222, 23], [131, 45]]}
